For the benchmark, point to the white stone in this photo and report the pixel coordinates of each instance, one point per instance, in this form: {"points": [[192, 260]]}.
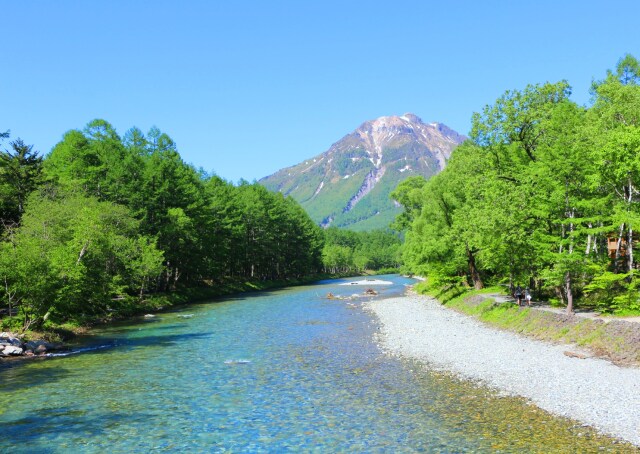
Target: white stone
{"points": [[12, 350]]}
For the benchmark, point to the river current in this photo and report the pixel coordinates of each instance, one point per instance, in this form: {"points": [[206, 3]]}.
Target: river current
{"points": [[280, 371]]}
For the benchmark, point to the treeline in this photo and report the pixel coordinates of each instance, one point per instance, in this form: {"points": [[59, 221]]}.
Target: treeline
{"points": [[545, 194], [346, 251], [103, 220]]}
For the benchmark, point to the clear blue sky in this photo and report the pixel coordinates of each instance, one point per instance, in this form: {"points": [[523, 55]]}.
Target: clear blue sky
{"points": [[248, 87]]}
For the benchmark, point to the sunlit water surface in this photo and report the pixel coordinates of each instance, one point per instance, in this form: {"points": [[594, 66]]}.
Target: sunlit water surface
{"points": [[287, 370]]}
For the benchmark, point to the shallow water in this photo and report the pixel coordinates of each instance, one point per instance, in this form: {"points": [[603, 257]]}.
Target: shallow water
{"points": [[278, 371]]}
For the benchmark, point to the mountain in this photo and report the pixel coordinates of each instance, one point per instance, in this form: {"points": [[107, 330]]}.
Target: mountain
{"points": [[349, 184]]}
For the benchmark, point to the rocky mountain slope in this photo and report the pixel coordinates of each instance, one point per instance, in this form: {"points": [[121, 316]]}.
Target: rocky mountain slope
{"points": [[349, 184]]}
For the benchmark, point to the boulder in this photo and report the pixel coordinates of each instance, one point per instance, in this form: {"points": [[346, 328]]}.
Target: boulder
{"points": [[39, 346], [12, 351], [10, 341]]}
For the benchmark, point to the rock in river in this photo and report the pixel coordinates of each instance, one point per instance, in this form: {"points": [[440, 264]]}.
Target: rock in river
{"points": [[10, 350]]}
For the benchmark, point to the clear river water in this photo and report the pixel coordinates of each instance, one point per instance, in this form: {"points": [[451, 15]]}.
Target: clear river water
{"points": [[280, 371]]}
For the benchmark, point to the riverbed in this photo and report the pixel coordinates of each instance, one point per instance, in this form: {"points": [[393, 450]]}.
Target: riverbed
{"points": [[279, 371], [594, 391]]}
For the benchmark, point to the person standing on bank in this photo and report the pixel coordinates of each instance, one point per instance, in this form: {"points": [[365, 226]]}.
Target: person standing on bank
{"points": [[527, 296], [518, 294]]}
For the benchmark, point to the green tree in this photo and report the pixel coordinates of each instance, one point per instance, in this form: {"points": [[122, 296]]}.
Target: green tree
{"points": [[20, 174], [75, 257], [408, 194], [337, 259], [96, 160], [537, 194], [349, 251]]}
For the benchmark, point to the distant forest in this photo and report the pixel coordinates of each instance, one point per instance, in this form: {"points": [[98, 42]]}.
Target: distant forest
{"points": [[544, 194], [102, 222]]}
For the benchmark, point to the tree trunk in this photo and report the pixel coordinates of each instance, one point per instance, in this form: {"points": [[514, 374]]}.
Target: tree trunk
{"points": [[630, 231], [568, 292], [9, 297], [167, 276], [630, 250], [473, 270], [570, 213], [619, 247], [83, 251]]}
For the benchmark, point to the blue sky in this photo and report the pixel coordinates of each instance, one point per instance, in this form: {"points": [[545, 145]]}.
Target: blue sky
{"points": [[248, 87]]}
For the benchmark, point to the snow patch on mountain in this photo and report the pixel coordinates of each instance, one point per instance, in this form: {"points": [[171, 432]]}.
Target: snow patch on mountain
{"points": [[370, 182], [319, 188]]}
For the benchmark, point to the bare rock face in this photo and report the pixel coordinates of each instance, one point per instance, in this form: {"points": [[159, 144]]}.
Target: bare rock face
{"points": [[349, 184]]}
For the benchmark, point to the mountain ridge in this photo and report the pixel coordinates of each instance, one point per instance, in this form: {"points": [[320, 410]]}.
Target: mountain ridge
{"points": [[349, 184]]}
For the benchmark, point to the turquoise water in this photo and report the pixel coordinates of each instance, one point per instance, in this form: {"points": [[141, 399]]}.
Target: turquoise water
{"points": [[279, 371]]}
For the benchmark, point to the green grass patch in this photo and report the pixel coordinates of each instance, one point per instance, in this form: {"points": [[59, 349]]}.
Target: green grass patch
{"points": [[627, 313]]}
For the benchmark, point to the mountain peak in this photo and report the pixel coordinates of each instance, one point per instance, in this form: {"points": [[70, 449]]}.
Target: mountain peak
{"points": [[393, 121], [349, 184], [412, 118]]}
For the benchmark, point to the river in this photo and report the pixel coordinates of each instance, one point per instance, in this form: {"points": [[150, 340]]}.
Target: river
{"points": [[278, 371]]}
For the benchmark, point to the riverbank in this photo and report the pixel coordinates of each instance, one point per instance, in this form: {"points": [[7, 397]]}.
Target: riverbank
{"points": [[592, 391], [615, 339], [33, 344]]}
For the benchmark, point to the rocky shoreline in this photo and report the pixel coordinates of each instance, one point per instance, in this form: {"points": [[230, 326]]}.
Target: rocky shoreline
{"points": [[592, 391], [12, 346]]}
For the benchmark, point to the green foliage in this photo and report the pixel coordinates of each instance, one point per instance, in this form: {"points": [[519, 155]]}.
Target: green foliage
{"points": [[123, 219], [20, 174], [346, 251], [536, 195], [75, 257], [349, 163], [408, 194], [614, 292]]}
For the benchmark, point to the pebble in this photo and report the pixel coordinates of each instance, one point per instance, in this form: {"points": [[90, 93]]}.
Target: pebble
{"points": [[593, 391]]}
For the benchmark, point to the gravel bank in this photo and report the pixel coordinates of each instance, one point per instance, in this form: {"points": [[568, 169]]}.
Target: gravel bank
{"points": [[592, 391]]}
